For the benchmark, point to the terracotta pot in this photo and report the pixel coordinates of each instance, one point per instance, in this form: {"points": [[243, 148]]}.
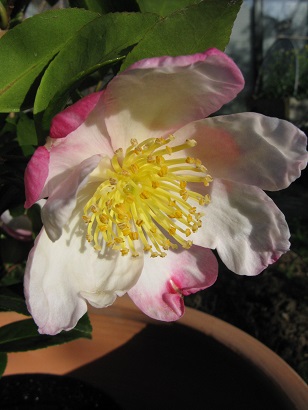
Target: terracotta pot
{"points": [[200, 361]]}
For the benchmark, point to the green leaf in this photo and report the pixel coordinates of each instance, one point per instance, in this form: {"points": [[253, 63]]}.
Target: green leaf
{"points": [[100, 43], [23, 335], [26, 134], [164, 7], [105, 6], [12, 302], [27, 49], [3, 363], [188, 31]]}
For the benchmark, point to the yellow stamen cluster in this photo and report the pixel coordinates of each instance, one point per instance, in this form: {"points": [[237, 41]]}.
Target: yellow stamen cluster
{"points": [[146, 199]]}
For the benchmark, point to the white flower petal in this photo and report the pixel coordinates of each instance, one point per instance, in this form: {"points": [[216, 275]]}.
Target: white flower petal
{"points": [[62, 200], [156, 96], [245, 226], [164, 281], [60, 277], [249, 148]]}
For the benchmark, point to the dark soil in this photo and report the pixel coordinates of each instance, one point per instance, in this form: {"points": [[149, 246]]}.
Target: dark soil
{"points": [[273, 306]]}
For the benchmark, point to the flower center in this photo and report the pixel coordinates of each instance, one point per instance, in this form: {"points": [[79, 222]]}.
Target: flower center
{"points": [[146, 199]]}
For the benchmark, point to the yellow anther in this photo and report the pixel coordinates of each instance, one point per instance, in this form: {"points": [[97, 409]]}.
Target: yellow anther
{"points": [[187, 232], [134, 142], [86, 219], [139, 222], [93, 208], [133, 236], [183, 184], [89, 238], [187, 244], [147, 248], [195, 227], [172, 230], [103, 228], [159, 159], [189, 218], [103, 218], [191, 142], [192, 210], [207, 180], [154, 254], [163, 254], [113, 181], [119, 152], [150, 159], [160, 141], [189, 160], [155, 184], [163, 171], [169, 150], [178, 214], [134, 168], [124, 251], [97, 247], [109, 203], [145, 195], [138, 151], [166, 245], [118, 240]]}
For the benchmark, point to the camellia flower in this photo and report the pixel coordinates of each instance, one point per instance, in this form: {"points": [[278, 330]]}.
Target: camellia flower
{"points": [[140, 185]]}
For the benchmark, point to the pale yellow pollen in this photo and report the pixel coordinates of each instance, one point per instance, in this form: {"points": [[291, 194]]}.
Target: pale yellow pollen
{"points": [[155, 184], [148, 202], [163, 171]]}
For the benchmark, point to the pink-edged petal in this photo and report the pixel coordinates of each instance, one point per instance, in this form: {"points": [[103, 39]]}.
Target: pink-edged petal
{"points": [[89, 139], [164, 281], [245, 226], [62, 201], [72, 117], [249, 148], [62, 276], [156, 96], [35, 175]]}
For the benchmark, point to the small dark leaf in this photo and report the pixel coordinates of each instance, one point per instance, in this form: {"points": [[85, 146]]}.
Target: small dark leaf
{"points": [[26, 131], [3, 363], [23, 335], [12, 302]]}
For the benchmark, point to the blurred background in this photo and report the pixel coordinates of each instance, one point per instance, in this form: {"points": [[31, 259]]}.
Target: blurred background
{"points": [[269, 43]]}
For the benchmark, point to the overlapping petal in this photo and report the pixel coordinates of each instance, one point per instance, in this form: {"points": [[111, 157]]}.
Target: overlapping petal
{"points": [[61, 276], [164, 281], [63, 199], [159, 95], [36, 175], [73, 116], [249, 148], [245, 226]]}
